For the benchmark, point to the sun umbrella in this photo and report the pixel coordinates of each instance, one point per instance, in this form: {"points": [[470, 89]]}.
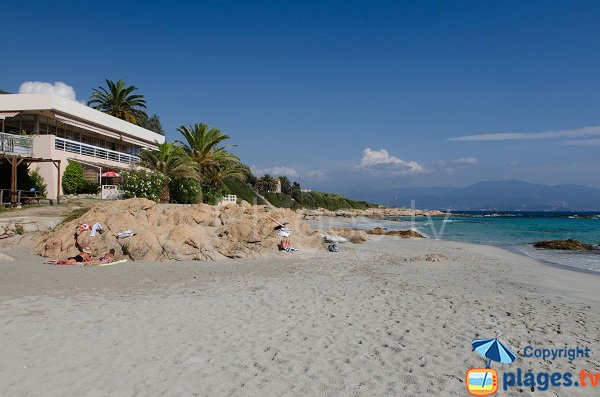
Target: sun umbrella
{"points": [[493, 349], [110, 174]]}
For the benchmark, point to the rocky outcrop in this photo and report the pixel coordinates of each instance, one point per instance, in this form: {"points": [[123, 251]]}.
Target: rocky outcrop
{"points": [[355, 236], [176, 232], [568, 245], [377, 213], [10, 227], [400, 233]]}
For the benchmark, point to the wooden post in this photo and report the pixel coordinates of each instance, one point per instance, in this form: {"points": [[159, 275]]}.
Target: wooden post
{"points": [[58, 181], [13, 180]]}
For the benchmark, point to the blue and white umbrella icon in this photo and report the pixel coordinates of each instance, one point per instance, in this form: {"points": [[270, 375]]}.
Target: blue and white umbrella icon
{"points": [[493, 349]]}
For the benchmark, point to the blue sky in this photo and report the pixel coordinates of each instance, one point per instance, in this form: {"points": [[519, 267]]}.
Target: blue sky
{"points": [[340, 94]]}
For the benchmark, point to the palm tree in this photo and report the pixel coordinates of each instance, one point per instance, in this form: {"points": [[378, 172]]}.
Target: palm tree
{"points": [[266, 184], [118, 101], [204, 146], [171, 161], [217, 174]]}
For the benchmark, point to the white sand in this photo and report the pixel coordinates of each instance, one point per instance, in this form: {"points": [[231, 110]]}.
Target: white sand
{"points": [[366, 321]]}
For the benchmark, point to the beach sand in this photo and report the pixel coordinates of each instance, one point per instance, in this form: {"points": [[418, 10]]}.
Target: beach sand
{"points": [[374, 319]]}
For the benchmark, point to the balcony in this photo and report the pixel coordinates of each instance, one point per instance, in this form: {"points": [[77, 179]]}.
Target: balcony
{"points": [[70, 146], [16, 144]]}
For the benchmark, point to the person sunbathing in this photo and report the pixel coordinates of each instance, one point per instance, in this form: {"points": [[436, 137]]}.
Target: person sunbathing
{"points": [[106, 258], [84, 256]]}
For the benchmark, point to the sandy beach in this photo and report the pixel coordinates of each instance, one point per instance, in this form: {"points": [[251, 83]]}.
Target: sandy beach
{"points": [[374, 319]]}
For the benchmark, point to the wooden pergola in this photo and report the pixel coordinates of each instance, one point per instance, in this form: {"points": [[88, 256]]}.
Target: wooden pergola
{"points": [[15, 160]]}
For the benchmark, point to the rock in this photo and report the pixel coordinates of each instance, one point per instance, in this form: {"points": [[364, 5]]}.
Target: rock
{"points": [[355, 236], [569, 245], [177, 232], [400, 233]]}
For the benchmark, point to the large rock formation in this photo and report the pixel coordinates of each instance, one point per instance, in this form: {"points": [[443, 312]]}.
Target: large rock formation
{"points": [[176, 232], [569, 245]]}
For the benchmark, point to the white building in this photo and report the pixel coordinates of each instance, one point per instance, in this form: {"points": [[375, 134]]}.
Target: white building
{"points": [[50, 127]]}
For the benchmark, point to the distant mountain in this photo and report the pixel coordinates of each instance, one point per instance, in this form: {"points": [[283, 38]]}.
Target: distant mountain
{"points": [[511, 195]]}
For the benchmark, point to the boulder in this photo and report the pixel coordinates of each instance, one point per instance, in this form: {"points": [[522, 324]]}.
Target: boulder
{"points": [[176, 232], [400, 233], [568, 245]]}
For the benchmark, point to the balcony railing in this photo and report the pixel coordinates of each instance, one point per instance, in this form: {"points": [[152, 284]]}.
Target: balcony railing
{"points": [[94, 151], [16, 144]]}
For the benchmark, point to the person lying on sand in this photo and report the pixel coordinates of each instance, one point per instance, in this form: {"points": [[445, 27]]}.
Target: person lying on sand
{"points": [[85, 255], [106, 258]]}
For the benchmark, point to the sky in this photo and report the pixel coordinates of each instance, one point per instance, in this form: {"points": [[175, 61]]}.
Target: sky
{"points": [[339, 94]]}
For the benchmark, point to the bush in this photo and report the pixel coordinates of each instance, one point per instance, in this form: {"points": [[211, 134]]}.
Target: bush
{"points": [[72, 179], [38, 182], [184, 191], [212, 195], [280, 200], [243, 191], [144, 184], [89, 187]]}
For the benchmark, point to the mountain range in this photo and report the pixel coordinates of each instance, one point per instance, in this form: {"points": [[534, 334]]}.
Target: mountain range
{"points": [[509, 195]]}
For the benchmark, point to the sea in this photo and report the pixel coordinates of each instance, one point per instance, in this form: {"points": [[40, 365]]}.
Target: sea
{"points": [[513, 230]]}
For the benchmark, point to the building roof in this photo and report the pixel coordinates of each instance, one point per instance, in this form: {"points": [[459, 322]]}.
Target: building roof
{"points": [[78, 112]]}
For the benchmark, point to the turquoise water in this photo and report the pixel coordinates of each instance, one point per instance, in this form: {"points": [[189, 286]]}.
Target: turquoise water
{"points": [[515, 230], [510, 230]]}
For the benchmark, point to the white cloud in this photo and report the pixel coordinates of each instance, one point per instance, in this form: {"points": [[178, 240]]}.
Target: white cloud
{"points": [[583, 142], [274, 171], [377, 159], [520, 136], [465, 161], [58, 88]]}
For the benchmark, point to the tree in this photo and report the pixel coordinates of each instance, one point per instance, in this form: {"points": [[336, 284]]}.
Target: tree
{"points": [[118, 101], [266, 184], [171, 161], [204, 146], [286, 185], [297, 192], [152, 123], [72, 179]]}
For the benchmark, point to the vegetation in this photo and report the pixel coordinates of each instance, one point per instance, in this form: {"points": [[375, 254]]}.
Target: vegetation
{"points": [[152, 123], [142, 183], [75, 214], [170, 161], [213, 163], [37, 182], [184, 190], [243, 191], [266, 185], [73, 179], [118, 100]]}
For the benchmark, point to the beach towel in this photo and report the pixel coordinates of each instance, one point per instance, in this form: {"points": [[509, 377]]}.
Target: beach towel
{"points": [[125, 234], [112, 263], [285, 232], [96, 228]]}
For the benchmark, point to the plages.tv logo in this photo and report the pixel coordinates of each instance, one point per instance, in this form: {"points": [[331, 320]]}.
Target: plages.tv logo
{"points": [[484, 381]]}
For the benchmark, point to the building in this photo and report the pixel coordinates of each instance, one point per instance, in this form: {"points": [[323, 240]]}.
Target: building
{"points": [[45, 128]]}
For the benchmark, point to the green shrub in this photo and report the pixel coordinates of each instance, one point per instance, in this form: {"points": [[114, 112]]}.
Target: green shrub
{"points": [[72, 179], [280, 200], [144, 184], [184, 191], [76, 213], [89, 187], [243, 191], [37, 182]]}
